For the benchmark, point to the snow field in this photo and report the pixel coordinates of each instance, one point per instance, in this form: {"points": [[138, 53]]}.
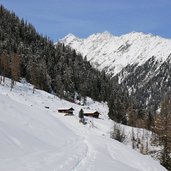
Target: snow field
{"points": [[33, 138]]}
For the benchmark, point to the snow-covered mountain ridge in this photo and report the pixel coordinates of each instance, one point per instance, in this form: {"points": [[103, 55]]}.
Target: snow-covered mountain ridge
{"points": [[34, 138], [140, 61], [113, 53]]}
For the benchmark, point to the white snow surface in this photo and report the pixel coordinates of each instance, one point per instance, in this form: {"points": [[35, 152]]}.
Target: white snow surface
{"points": [[113, 53], [34, 138]]}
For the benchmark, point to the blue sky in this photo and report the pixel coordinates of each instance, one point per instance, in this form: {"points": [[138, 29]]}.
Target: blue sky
{"points": [[57, 18]]}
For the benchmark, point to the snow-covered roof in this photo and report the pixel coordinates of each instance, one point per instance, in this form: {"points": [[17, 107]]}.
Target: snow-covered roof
{"points": [[66, 108], [89, 111]]}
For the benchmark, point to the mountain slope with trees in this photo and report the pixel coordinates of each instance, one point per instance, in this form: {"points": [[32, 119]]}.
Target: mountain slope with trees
{"points": [[141, 62], [56, 69]]}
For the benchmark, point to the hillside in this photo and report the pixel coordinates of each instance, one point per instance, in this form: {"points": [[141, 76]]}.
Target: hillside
{"points": [[36, 138], [140, 61], [24, 53]]}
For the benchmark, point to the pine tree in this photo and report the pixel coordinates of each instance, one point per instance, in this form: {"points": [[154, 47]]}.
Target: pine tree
{"points": [[133, 139], [131, 116], [118, 133], [81, 114], [149, 121], [33, 74], [140, 120]]}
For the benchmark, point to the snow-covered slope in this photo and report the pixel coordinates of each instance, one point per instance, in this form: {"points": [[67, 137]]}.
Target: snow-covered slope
{"points": [[33, 137], [114, 53]]}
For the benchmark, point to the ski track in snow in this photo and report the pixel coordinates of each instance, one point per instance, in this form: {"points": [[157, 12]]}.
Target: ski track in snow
{"points": [[33, 138]]}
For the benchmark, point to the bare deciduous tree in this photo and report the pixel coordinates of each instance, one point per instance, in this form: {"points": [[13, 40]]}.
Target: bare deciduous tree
{"points": [[4, 63], [15, 69]]}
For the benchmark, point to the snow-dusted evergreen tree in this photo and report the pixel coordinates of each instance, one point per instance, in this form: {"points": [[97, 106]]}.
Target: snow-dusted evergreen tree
{"points": [[81, 114], [118, 133]]}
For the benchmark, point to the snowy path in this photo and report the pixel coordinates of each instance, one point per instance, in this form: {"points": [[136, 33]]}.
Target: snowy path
{"points": [[33, 138], [103, 151], [36, 141]]}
